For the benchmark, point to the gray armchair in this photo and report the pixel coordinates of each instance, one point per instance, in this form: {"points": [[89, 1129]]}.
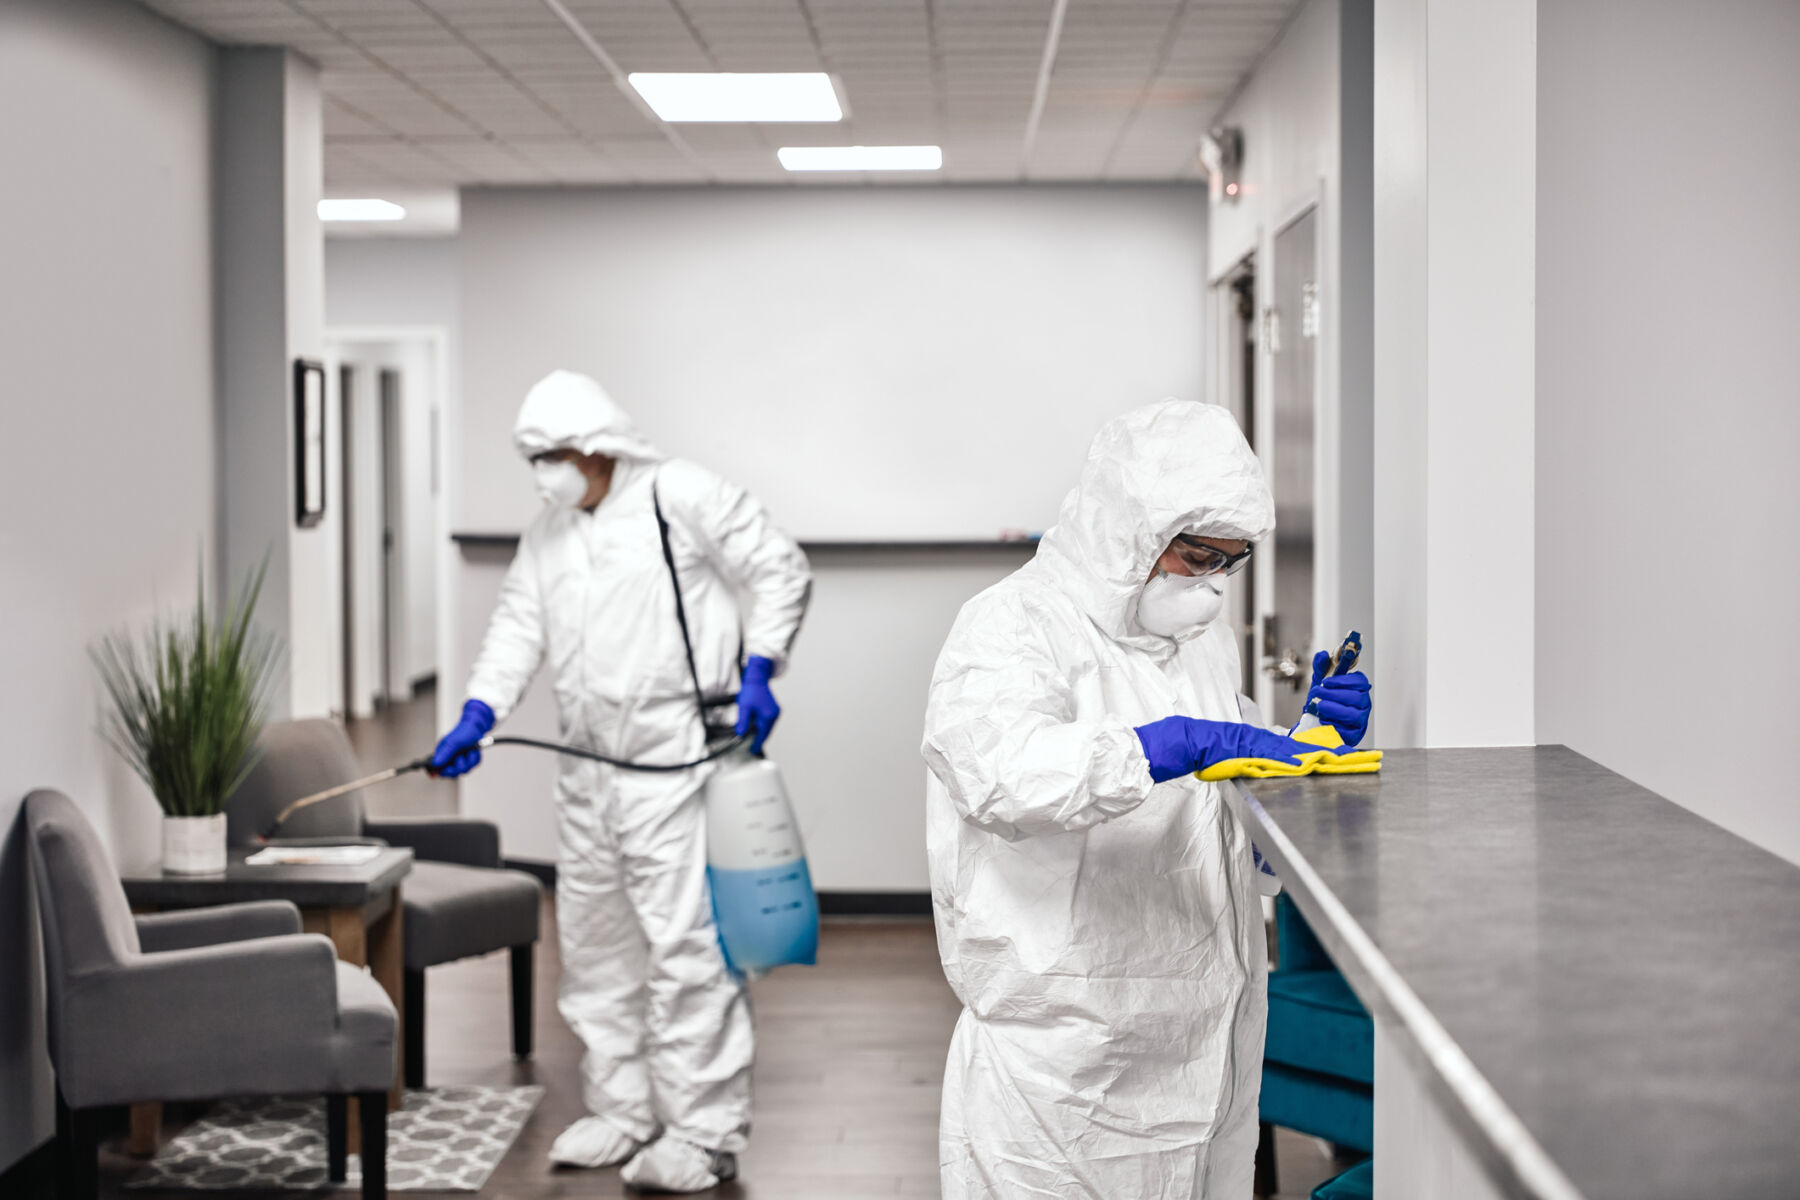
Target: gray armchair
{"points": [[459, 900], [228, 1001]]}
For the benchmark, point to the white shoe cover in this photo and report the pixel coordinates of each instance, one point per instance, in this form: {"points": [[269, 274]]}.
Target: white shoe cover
{"points": [[593, 1142], [671, 1165]]}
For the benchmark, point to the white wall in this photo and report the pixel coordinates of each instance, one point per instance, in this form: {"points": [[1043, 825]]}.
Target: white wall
{"points": [[537, 294], [853, 707], [1305, 113], [1667, 565], [107, 464], [973, 337]]}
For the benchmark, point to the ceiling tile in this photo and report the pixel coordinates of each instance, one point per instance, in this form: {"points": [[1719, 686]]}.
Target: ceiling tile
{"points": [[434, 92]]}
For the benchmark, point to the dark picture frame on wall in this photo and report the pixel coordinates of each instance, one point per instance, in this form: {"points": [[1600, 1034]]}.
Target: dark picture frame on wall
{"points": [[309, 442]]}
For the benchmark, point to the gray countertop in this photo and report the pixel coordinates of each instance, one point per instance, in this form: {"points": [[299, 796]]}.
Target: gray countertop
{"points": [[1600, 988]]}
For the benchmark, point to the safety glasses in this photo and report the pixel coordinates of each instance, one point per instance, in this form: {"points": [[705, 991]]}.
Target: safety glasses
{"points": [[1201, 559]]}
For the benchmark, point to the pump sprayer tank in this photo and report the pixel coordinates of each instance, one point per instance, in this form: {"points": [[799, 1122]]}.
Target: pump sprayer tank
{"points": [[762, 893]]}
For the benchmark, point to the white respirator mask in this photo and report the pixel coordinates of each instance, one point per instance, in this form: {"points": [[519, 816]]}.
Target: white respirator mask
{"points": [[560, 483], [1174, 606]]}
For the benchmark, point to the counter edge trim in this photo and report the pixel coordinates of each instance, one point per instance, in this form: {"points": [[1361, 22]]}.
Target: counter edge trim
{"points": [[1513, 1156]]}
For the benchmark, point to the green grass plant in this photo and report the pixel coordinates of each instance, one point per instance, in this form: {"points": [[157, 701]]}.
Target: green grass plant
{"points": [[187, 700]]}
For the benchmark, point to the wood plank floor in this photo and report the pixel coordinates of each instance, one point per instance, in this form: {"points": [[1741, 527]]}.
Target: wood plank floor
{"points": [[850, 1060], [850, 1054]]}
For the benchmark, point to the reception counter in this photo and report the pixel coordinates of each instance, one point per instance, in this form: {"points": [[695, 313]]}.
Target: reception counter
{"points": [[1579, 988]]}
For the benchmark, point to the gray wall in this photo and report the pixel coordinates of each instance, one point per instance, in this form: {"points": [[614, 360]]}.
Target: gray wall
{"points": [[616, 283], [389, 282], [271, 311], [1667, 410], [1356, 323], [107, 462]]}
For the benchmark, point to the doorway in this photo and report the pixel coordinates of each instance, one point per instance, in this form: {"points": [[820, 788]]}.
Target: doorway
{"points": [[1290, 337], [347, 518], [392, 502], [1234, 310], [390, 391]]}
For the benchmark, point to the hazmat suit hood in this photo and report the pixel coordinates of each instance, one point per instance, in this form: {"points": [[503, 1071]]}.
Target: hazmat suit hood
{"points": [[1173, 467], [568, 410]]}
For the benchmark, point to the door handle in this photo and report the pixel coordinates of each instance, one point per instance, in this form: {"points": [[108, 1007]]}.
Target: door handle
{"points": [[1286, 669]]}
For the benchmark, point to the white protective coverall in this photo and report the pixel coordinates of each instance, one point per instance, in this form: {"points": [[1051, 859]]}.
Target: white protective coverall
{"points": [[644, 983], [1104, 933]]}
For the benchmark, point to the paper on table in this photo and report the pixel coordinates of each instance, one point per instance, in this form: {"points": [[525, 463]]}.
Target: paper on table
{"points": [[313, 856]]}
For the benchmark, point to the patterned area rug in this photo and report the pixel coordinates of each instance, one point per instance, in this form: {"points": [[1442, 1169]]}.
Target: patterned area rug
{"points": [[446, 1139]]}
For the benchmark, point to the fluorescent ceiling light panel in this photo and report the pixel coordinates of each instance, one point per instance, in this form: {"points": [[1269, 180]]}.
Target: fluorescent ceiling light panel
{"points": [[861, 158], [725, 96], [360, 210]]}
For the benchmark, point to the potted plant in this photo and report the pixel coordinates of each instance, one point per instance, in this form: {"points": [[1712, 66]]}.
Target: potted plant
{"points": [[187, 703]]}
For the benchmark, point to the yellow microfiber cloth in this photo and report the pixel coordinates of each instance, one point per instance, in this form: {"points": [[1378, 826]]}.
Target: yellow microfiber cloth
{"points": [[1325, 761]]}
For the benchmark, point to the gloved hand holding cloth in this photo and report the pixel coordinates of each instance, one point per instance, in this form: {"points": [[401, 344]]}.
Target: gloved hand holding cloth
{"points": [[1177, 746], [1321, 757], [1215, 750]]}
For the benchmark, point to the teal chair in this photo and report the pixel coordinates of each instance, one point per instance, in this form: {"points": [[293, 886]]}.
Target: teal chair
{"points": [[1318, 1057], [1358, 1183]]}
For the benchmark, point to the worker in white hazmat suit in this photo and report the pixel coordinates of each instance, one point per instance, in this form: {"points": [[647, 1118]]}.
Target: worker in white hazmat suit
{"points": [[666, 1077], [1096, 905]]}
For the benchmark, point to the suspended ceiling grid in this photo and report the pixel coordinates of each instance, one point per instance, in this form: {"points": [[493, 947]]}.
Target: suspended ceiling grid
{"points": [[431, 93]]}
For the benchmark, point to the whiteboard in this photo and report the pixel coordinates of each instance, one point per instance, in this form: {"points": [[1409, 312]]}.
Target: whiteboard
{"points": [[895, 364]]}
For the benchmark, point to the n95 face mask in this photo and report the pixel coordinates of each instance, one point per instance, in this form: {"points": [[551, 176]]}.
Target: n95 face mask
{"points": [[560, 483], [1173, 606]]}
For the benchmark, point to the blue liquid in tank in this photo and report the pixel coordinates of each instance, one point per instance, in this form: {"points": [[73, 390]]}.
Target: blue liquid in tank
{"points": [[767, 916]]}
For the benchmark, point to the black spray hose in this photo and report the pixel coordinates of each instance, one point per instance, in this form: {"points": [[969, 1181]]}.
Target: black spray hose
{"points": [[596, 756], [424, 764]]}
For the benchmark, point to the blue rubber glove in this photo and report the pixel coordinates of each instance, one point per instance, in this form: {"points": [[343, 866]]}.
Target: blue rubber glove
{"points": [[459, 753], [1178, 746], [1343, 700], [757, 710]]}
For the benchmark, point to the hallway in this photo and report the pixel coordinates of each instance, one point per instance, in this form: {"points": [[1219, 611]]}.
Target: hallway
{"points": [[850, 1054], [399, 733]]}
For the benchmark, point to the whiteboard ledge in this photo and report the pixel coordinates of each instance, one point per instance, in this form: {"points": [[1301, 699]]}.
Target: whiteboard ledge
{"points": [[508, 540]]}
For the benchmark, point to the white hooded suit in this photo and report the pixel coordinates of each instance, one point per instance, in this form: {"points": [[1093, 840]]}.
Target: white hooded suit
{"points": [[1104, 933], [644, 984]]}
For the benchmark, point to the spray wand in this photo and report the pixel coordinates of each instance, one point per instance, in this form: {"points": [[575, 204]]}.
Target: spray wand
{"points": [[424, 764]]}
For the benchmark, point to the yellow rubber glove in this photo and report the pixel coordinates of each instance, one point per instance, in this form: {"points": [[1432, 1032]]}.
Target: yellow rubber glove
{"points": [[1324, 762]]}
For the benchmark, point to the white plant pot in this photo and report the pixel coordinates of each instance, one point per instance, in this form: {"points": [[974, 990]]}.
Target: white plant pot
{"points": [[194, 845]]}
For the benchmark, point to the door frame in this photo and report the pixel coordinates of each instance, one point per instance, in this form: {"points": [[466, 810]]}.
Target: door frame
{"points": [[346, 533], [1311, 206], [435, 339], [1225, 380]]}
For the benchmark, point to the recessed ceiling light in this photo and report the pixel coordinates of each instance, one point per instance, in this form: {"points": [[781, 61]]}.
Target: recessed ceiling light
{"points": [[725, 96], [861, 158], [360, 210]]}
